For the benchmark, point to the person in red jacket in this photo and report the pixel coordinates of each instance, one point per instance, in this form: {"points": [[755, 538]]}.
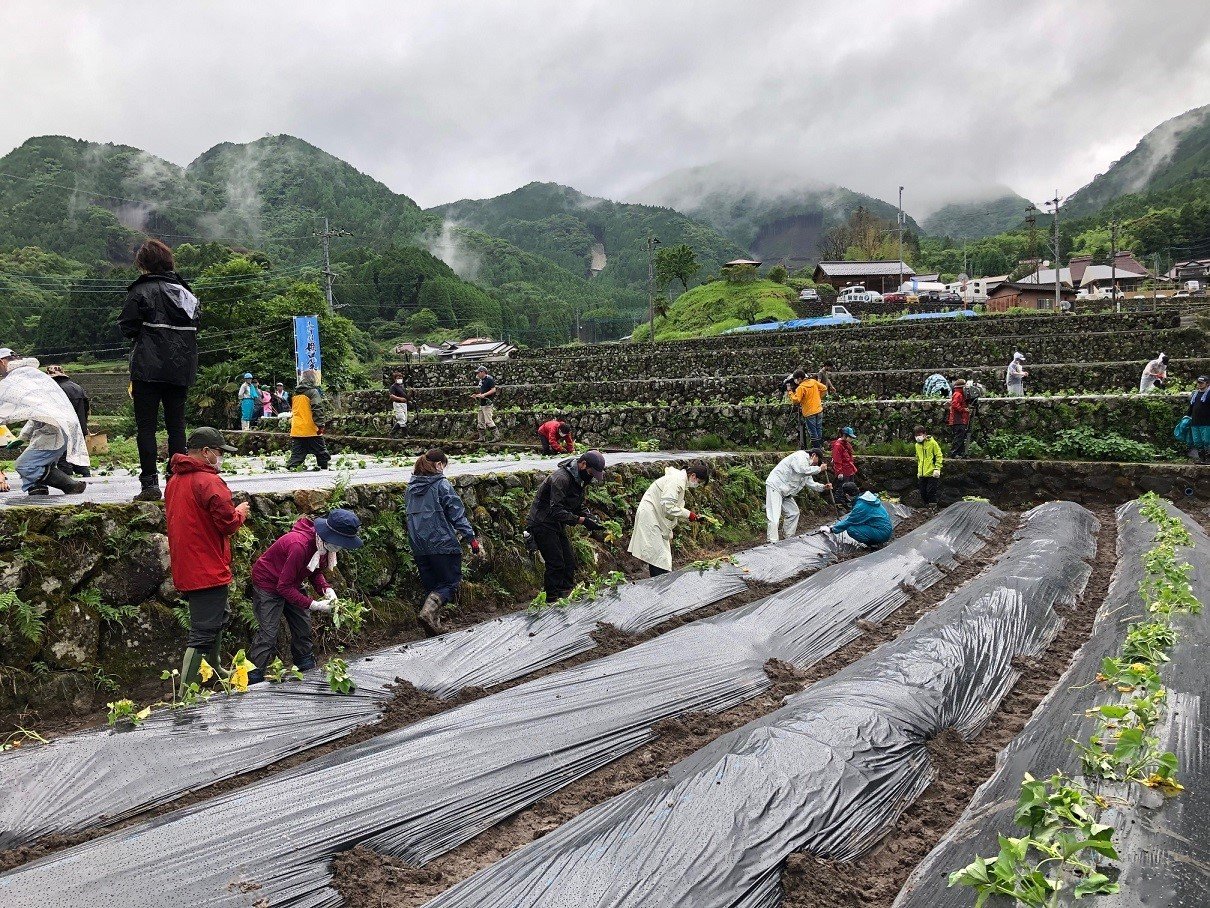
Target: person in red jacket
{"points": [[959, 419], [843, 464], [556, 437], [299, 556], [201, 519]]}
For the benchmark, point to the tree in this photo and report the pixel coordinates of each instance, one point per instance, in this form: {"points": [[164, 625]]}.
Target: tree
{"points": [[676, 262], [778, 274], [423, 322], [741, 274]]}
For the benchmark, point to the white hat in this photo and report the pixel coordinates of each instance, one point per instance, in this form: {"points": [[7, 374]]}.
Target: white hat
{"points": [[1018, 355], [6, 353]]}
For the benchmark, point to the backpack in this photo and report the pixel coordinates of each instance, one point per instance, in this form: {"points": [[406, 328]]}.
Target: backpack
{"points": [[973, 391]]}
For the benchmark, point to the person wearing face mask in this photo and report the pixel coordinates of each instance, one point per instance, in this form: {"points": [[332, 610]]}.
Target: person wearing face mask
{"points": [[558, 504], [300, 556], [662, 505], [928, 466], [792, 474], [201, 519], [436, 518]]}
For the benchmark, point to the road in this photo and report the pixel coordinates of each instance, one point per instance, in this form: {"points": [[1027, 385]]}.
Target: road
{"points": [[121, 489]]}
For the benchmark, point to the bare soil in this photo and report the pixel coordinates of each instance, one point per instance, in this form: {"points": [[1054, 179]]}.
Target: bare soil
{"points": [[367, 879], [874, 880]]}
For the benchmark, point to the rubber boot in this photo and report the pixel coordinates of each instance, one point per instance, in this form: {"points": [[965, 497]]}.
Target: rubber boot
{"points": [[430, 614], [57, 479], [189, 671], [215, 659], [150, 490], [495, 434]]}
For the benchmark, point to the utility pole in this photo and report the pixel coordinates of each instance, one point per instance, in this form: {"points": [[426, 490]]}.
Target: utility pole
{"points": [[1113, 263], [652, 242], [327, 236], [1031, 221], [1055, 203], [1155, 284], [899, 222]]}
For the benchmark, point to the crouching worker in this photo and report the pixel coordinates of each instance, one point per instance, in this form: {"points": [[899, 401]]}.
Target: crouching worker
{"points": [[662, 505], [301, 555], [436, 518], [786, 480], [201, 519], [556, 437], [51, 431], [868, 522]]}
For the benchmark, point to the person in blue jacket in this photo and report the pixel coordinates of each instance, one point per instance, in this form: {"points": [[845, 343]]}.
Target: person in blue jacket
{"points": [[436, 518], [868, 522]]}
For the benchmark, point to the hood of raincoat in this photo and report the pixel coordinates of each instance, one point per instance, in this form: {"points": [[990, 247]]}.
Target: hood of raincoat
{"points": [[26, 393]]}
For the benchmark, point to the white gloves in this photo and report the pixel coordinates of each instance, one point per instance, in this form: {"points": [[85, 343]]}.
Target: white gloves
{"points": [[936, 474], [826, 530], [330, 594], [322, 605]]}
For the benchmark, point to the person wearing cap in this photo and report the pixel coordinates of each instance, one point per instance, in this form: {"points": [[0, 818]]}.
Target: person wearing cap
{"points": [[436, 517], [662, 505], [160, 317], [486, 395], [868, 522], [281, 399], [844, 465], [928, 465], [959, 419], [81, 404], [1199, 421], [51, 431], [249, 401], [201, 519], [1014, 377], [308, 422], [1155, 373], [300, 556], [398, 393], [792, 474], [556, 437], [558, 504]]}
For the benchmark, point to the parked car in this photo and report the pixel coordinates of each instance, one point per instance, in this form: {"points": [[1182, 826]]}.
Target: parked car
{"points": [[858, 294], [895, 297], [808, 295]]}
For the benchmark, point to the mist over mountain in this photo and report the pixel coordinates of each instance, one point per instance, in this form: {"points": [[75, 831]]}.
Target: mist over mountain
{"points": [[1002, 209]]}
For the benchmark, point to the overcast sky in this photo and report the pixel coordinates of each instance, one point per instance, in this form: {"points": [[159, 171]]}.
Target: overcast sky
{"points": [[444, 100]]}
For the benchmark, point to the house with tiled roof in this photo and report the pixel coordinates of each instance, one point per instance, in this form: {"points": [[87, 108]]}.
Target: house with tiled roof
{"points": [[882, 276]]}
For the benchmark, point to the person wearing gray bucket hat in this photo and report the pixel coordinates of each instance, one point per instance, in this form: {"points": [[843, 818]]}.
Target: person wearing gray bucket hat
{"points": [[300, 556]]}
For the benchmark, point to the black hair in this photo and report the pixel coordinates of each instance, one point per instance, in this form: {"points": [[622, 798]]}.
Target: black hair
{"points": [[701, 470]]}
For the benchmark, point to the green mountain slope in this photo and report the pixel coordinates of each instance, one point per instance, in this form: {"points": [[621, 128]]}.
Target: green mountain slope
{"points": [[987, 217], [578, 232], [1175, 152]]}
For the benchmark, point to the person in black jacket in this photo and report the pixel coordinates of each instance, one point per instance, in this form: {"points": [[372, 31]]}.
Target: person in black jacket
{"points": [[1199, 416], [559, 504], [81, 404], [161, 317]]}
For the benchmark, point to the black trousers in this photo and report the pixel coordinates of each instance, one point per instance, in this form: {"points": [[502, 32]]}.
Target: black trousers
{"points": [[653, 571], [929, 488], [958, 433], [560, 560], [440, 574], [208, 615], [546, 448], [301, 447], [269, 608], [149, 397]]}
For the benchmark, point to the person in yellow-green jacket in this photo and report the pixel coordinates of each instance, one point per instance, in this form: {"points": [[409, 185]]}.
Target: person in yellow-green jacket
{"points": [[307, 424], [928, 466]]}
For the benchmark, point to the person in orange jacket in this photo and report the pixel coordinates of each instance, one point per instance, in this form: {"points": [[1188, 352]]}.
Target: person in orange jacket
{"points": [[556, 437]]}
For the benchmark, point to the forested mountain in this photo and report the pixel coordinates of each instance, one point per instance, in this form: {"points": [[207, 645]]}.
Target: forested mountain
{"points": [[997, 213], [586, 235], [774, 219], [1174, 153]]}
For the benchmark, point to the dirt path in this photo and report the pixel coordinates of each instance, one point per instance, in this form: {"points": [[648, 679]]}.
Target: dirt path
{"points": [[874, 880], [367, 879]]}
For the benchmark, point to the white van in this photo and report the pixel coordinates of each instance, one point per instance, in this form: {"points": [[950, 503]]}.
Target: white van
{"points": [[858, 294]]}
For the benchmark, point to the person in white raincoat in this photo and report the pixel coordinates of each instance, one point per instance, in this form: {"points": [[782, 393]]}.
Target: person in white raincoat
{"points": [[785, 481], [662, 505], [51, 430]]}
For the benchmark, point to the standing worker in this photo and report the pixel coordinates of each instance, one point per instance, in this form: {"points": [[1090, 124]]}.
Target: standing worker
{"points": [[249, 400], [556, 437], [436, 518], [308, 421], [83, 407], [793, 474], [928, 465], [1199, 421], [558, 504], [825, 375], [959, 419], [868, 522], [809, 394], [51, 431], [161, 316], [1014, 377], [299, 556], [281, 399], [201, 520], [399, 402], [662, 505], [486, 395], [844, 464], [1155, 373]]}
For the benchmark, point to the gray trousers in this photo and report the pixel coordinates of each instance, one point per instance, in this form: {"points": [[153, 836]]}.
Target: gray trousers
{"points": [[208, 614], [269, 608]]}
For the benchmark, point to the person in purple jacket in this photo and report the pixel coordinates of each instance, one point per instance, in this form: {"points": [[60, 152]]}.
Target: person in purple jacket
{"points": [[278, 576]]}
